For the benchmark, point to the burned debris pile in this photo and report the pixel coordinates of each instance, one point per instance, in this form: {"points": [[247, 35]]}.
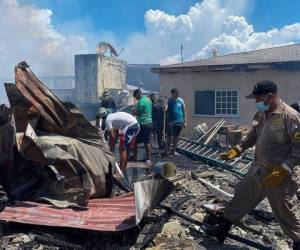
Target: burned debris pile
{"points": [[205, 147], [57, 169], [53, 158], [50, 151]]}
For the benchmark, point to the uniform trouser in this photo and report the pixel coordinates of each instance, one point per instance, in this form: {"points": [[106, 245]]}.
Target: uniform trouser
{"points": [[250, 191]]}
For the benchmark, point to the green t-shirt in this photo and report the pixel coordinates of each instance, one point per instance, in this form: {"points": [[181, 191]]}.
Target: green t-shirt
{"points": [[144, 110]]}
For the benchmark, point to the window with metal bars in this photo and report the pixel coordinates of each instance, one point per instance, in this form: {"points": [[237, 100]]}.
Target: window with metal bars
{"points": [[223, 103]]}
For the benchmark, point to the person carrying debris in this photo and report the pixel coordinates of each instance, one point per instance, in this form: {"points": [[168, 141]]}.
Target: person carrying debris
{"points": [[144, 117], [275, 172], [125, 126], [108, 102], [176, 120], [158, 107], [108, 106]]}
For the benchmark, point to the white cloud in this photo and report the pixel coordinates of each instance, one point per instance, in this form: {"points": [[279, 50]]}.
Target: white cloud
{"points": [[160, 24], [171, 60], [165, 33], [237, 35], [211, 24], [26, 33]]}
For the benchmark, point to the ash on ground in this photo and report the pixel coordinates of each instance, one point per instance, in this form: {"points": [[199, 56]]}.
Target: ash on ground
{"points": [[160, 229]]}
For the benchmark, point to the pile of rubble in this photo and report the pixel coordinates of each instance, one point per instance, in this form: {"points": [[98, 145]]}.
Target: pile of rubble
{"points": [[193, 198], [50, 153], [160, 229], [57, 170], [206, 147]]}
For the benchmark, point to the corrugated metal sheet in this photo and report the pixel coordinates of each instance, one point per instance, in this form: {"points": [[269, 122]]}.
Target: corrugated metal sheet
{"points": [[47, 104], [111, 214], [58, 138]]}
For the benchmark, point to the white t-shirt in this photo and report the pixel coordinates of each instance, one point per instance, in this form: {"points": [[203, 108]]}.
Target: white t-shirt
{"points": [[119, 120]]}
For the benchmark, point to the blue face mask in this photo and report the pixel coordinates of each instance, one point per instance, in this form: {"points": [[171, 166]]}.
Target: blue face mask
{"points": [[261, 106]]}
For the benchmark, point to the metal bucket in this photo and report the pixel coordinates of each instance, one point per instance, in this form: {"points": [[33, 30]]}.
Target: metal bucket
{"points": [[165, 169]]}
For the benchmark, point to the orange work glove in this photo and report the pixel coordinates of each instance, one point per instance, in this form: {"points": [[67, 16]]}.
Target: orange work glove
{"points": [[231, 154], [277, 176]]}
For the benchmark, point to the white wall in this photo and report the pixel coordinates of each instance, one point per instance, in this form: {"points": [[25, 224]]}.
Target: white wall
{"points": [[288, 82], [111, 74]]}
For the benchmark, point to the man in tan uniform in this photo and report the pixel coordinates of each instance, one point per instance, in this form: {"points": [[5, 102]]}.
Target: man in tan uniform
{"points": [[275, 172]]}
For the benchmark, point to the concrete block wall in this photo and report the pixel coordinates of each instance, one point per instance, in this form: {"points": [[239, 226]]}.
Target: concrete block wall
{"points": [[95, 73], [187, 82], [111, 74], [86, 67]]}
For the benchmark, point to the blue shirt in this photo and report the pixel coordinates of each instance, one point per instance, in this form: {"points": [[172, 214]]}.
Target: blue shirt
{"points": [[175, 110]]}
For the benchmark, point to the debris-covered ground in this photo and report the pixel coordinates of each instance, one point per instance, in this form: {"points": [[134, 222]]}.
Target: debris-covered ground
{"points": [[159, 230]]}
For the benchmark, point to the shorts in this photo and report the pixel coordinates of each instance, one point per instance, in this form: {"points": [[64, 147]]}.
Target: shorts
{"points": [[174, 129], [144, 136], [128, 138]]}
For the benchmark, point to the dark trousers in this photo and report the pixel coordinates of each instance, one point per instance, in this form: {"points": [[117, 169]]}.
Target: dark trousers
{"points": [[158, 133]]}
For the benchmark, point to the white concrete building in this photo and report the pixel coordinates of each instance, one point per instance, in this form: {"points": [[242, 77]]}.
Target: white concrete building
{"points": [[215, 88], [94, 73]]}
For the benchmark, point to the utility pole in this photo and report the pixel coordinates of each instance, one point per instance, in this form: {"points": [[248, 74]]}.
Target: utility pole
{"points": [[181, 53]]}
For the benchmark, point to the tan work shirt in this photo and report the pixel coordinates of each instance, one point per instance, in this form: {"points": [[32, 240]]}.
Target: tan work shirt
{"points": [[277, 137]]}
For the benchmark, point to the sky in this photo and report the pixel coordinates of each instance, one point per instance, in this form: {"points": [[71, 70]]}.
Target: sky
{"points": [[48, 33]]}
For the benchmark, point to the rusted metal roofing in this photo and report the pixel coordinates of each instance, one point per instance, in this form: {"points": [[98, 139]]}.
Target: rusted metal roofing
{"points": [[279, 55], [56, 137], [106, 214], [47, 104]]}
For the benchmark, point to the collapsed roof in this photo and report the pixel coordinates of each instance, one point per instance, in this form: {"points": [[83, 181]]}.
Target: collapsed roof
{"points": [[49, 153], [59, 156]]}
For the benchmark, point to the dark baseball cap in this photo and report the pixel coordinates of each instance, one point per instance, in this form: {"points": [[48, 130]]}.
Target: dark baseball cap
{"points": [[262, 88]]}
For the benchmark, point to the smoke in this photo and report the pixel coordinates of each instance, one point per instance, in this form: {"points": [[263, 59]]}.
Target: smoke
{"points": [[27, 33]]}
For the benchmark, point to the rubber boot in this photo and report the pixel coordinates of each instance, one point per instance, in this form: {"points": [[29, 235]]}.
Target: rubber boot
{"points": [[217, 227], [224, 229]]}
